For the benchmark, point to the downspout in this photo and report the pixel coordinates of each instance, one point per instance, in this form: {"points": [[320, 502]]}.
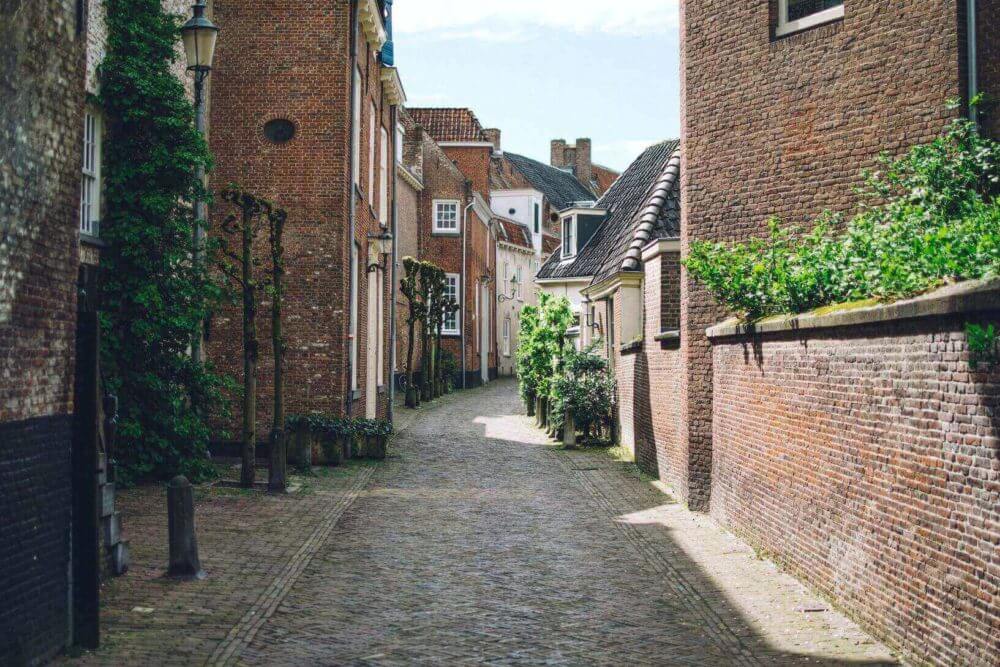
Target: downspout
{"points": [[465, 287], [972, 59], [352, 316], [393, 276]]}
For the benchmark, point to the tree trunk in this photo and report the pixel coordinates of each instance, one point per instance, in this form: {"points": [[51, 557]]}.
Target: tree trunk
{"points": [[249, 358], [411, 401]]}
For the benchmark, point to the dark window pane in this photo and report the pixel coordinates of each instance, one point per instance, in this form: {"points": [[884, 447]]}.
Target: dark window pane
{"points": [[279, 130], [800, 8]]}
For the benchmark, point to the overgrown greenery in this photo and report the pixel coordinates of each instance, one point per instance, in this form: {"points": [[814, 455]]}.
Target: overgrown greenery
{"points": [[586, 389], [541, 343], [153, 296], [320, 424], [984, 344], [928, 218]]}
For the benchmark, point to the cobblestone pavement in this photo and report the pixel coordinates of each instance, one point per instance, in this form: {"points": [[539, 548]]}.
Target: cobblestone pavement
{"points": [[479, 543]]}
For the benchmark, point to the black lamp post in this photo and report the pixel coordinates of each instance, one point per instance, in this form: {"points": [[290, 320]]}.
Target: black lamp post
{"points": [[199, 35]]}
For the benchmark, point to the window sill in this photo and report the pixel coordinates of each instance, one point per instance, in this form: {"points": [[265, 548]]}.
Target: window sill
{"points": [[631, 348], [668, 335], [809, 22], [93, 241], [443, 233], [450, 334]]}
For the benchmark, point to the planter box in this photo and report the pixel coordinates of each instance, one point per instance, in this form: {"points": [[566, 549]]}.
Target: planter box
{"points": [[327, 451], [374, 447]]}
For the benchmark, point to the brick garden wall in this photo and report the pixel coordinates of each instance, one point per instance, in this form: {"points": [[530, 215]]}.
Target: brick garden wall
{"points": [[865, 459], [784, 127], [42, 88]]}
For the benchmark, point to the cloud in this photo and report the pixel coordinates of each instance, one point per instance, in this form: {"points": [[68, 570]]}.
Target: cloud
{"points": [[506, 20]]}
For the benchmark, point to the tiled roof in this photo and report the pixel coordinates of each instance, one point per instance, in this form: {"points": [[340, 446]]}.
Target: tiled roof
{"points": [[449, 124], [626, 202], [560, 187], [514, 232], [550, 244]]}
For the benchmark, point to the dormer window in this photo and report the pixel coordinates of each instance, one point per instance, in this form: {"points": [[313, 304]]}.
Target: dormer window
{"points": [[795, 15], [569, 236]]}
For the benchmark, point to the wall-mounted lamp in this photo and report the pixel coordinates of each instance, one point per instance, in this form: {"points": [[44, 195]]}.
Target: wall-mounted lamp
{"points": [[513, 290], [379, 251]]}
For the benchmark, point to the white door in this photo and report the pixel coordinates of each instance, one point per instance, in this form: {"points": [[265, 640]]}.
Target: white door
{"points": [[371, 348], [484, 334]]}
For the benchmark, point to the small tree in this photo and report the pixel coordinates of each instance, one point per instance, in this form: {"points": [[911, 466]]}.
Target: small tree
{"points": [[241, 268], [428, 276], [411, 289]]}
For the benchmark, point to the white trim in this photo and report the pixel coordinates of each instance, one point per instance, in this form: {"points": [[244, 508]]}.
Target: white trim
{"points": [[89, 213], [356, 129], [445, 331], [371, 152], [414, 182], [602, 290], [466, 144], [392, 87], [453, 231], [568, 281], [383, 178], [507, 245], [371, 24], [577, 210], [786, 27], [516, 193], [566, 222], [656, 248], [506, 336]]}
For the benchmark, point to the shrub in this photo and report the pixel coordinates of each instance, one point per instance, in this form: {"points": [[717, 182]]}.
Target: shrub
{"points": [[585, 388], [541, 342], [928, 218]]}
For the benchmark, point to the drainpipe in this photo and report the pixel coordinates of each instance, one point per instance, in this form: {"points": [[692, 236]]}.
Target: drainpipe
{"points": [[465, 276], [352, 316], [393, 276], [972, 58]]}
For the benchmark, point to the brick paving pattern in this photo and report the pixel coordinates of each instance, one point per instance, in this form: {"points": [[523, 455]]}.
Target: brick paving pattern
{"points": [[476, 542]]}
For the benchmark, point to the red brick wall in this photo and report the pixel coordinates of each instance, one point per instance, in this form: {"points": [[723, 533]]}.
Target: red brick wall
{"points": [[474, 162], [865, 460], [784, 127], [267, 66], [989, 61]]}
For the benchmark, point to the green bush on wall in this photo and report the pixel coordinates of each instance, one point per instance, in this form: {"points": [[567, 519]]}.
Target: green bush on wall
{"points": [[928, 218]]}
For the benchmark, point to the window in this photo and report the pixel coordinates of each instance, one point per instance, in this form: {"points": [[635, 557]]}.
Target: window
{"points": [[371, 156], [569, 237], [355, 253], [520, 281], [400, 140], [794, 15], [451, 292], [506, 276], [506, 337], [538, 218], [446, 217], [90, 191], [356, 130], [383, 180]]}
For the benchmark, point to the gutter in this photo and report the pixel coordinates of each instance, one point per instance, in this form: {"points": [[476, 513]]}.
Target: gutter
{"points": [[393, 272], [352, 316], [973, 65]]}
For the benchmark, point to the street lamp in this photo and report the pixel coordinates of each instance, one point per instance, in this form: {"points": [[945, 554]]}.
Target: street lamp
{"points": [[199, 35], [513, 290]]}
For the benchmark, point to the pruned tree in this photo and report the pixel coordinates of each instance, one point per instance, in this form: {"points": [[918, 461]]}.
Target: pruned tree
{"points": [[410, 287]]}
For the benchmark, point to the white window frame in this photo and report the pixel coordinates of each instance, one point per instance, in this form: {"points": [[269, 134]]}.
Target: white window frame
{"points": [[356, 131], [520, 281], [371, 154], [400, 141], [569, 237], [90, 185], [457, 329], [437, 228], [355, 255], [506, 336], [383, 179], [786, 27]]}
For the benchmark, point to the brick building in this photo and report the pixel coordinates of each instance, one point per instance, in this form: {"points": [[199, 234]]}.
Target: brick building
{"points": [[456, 230], [577, 159], [838, 445], [303, 113], [42, 86]]}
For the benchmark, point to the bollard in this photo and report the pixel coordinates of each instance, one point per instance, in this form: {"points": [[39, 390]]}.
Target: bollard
{"points": [[184, 560], [569, 431], [277, 480]]}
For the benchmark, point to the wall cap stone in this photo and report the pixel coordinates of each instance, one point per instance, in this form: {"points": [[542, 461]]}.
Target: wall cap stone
{"points": [[966, 297]]}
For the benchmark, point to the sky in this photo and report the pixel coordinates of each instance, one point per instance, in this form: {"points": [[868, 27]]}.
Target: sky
{"points": [[548, 69]]}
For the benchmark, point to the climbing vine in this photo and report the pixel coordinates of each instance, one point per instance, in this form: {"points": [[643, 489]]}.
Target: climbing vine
{"points": [[153, 295]]}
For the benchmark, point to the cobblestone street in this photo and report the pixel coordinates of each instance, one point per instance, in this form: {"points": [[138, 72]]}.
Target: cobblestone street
{"points": [[478, 542]]}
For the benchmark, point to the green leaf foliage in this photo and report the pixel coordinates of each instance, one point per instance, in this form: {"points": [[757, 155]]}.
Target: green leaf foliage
{"points": [[928, 218], [586, 388], [153, 295], [541, 343]]}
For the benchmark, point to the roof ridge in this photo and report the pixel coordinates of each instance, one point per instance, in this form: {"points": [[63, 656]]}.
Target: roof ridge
{"points": [[652, 210]]}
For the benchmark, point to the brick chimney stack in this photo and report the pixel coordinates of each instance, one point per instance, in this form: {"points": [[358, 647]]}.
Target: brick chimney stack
{"points": [[493, 136], [558, 155], [583, 166]]}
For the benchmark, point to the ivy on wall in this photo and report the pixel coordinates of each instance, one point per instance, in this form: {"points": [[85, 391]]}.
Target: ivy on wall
{"points": [[153, 296]]}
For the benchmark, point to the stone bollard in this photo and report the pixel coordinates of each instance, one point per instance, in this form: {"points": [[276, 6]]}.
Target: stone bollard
{"points": [[277, 480], [569, 431], [184, 561]]}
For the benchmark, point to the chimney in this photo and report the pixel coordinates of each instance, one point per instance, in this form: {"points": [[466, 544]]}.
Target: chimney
{"points": [[493, 136], [583, 166], [558, 154]]}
